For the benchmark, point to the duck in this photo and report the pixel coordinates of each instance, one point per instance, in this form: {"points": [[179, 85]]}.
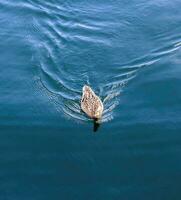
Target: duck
{"points": [[92, 105]]}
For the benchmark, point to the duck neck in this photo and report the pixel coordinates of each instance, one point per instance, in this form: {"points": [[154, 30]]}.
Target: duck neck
{"points": [[96, 124]]}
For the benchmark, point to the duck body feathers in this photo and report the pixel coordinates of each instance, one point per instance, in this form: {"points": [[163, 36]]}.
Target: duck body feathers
{"points": [[91, 104]]}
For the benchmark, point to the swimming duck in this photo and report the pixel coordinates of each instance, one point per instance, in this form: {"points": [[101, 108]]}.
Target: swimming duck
{"points": [[92, 105]]}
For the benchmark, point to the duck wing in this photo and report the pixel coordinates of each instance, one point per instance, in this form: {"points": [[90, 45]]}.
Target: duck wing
{"points": [[91, 103]]}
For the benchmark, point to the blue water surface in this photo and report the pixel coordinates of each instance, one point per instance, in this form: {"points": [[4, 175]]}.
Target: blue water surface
{"points": [[129, 52]]}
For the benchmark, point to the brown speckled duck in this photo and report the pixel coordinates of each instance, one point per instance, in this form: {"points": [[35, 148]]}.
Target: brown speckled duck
{"points": [[92, 105]]}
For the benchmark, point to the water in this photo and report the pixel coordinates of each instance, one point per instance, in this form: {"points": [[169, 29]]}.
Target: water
{"points": [[129, 53]]}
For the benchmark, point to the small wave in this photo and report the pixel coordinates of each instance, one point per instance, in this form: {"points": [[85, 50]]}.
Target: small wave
{"points": [[69, 43]]}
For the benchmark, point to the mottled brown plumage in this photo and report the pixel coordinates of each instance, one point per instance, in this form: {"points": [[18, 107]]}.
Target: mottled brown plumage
{"points": [[91, 103]]}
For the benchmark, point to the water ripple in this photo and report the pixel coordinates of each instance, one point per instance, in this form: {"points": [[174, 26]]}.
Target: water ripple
{"points": [[70, 48]]}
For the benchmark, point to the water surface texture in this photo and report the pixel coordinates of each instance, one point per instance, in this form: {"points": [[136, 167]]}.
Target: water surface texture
{"points": [[129, 52]]}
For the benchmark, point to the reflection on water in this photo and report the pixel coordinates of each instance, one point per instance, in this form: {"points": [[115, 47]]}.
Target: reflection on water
{"points": [[79, 43], [129, 52]]}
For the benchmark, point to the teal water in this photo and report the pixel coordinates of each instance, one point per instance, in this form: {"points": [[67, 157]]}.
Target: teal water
{"points": [[129, 53]]}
